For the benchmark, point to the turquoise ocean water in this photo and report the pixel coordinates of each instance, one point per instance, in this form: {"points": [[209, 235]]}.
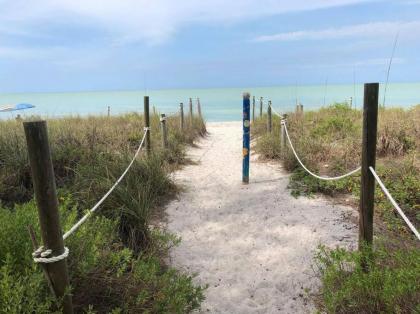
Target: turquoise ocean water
{"points": [[218, 104]]}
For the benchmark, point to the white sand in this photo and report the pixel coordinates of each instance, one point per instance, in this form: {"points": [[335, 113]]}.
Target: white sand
{"points": [[253, 244]]}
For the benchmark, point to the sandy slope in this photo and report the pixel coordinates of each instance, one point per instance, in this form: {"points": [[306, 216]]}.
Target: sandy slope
{"points": [[253, 244]]}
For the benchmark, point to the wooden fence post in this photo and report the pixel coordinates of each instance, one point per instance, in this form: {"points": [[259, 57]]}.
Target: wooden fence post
{"points": [[261, 106], [191, 113], [246, 138], [367, 186], [164, 131], [181, 115], [109, 111], [253, 108], [283, 135], [269, 121], [199, 109], [147, 124], [46, 198]]}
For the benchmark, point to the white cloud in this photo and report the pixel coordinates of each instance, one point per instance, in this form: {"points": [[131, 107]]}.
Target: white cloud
{"points": [[377, 29], [152, 20]]}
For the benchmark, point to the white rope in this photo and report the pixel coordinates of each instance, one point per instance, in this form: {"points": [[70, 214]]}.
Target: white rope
{"points": [[310, 172], [393, 202], [275, 111], [41, 255], [83, 219]]}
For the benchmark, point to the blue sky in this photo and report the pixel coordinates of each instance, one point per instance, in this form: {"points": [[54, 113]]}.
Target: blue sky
{"points": [[72, 45]]}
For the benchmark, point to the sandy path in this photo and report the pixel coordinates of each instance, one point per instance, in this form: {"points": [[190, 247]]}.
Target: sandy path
{"points": [[253, 244]]}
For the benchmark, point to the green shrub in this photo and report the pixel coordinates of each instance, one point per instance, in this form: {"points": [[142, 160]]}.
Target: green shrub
{"points": [[108, 251], [103, 273], [392, 284]]}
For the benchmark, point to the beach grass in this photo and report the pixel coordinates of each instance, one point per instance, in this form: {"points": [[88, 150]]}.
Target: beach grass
{"points": [[117, 259], [329, 143]]}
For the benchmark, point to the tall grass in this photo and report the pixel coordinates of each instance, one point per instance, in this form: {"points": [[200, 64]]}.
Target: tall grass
{"points": [[329, 143], [117, 261]]}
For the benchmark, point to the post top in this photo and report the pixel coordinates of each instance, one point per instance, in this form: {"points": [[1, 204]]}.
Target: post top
{"points": [[246, 95], [34, 122]]}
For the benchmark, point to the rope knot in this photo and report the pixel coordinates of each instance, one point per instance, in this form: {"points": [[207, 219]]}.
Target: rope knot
{"points": [[41, 255]]}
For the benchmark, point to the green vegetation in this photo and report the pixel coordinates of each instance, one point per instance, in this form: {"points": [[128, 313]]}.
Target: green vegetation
{"points": [[390, 286], [329, 143], [116, 260]]}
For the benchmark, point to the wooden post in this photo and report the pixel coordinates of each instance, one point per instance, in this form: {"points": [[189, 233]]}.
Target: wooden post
{"points": [[191, 113], [301, 109], [367, 187], [199, 109], [253, 108], [246, 138], [164, 131], [283, 135], [147, 124], [46, 198], [109, 111], [269, 121], [261, 106], [181, 115]]}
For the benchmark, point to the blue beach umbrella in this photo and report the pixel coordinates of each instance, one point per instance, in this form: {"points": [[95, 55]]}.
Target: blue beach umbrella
{"points": [[7, 108]]}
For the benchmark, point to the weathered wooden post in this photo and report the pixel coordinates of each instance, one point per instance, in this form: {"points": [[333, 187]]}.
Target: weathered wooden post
{"points": [[181, 115], [253, 108], [164, 131], [269, 121], [261, 106], [283, 134], [367, 186], [191, 113], [246, 138], [199, 109], [109, 111], [301, 109], [46, 198], [147, 124]]}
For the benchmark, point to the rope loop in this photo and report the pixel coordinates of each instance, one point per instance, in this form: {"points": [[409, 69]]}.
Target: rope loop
{"points": [[41, 255], [146, 128], [309, 171], [162, 119]]}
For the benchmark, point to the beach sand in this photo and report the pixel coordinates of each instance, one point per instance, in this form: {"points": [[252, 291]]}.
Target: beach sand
{"points": [[252, 244]]}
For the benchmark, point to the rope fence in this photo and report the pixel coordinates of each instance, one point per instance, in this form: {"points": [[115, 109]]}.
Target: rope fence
{"points": [[310, 172], [39, 153], [394, 203], [368, 150]]}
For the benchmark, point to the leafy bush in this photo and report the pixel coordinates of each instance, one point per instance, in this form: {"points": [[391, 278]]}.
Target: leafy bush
{"points": [[103, 272], [108, 252], [392, 284]]}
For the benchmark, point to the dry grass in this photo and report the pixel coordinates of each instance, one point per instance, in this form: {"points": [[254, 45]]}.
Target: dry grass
{"points": [[329, 142]]}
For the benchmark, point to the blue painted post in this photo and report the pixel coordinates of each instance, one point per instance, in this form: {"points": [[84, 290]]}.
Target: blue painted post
{"points": [[246, 140]]}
